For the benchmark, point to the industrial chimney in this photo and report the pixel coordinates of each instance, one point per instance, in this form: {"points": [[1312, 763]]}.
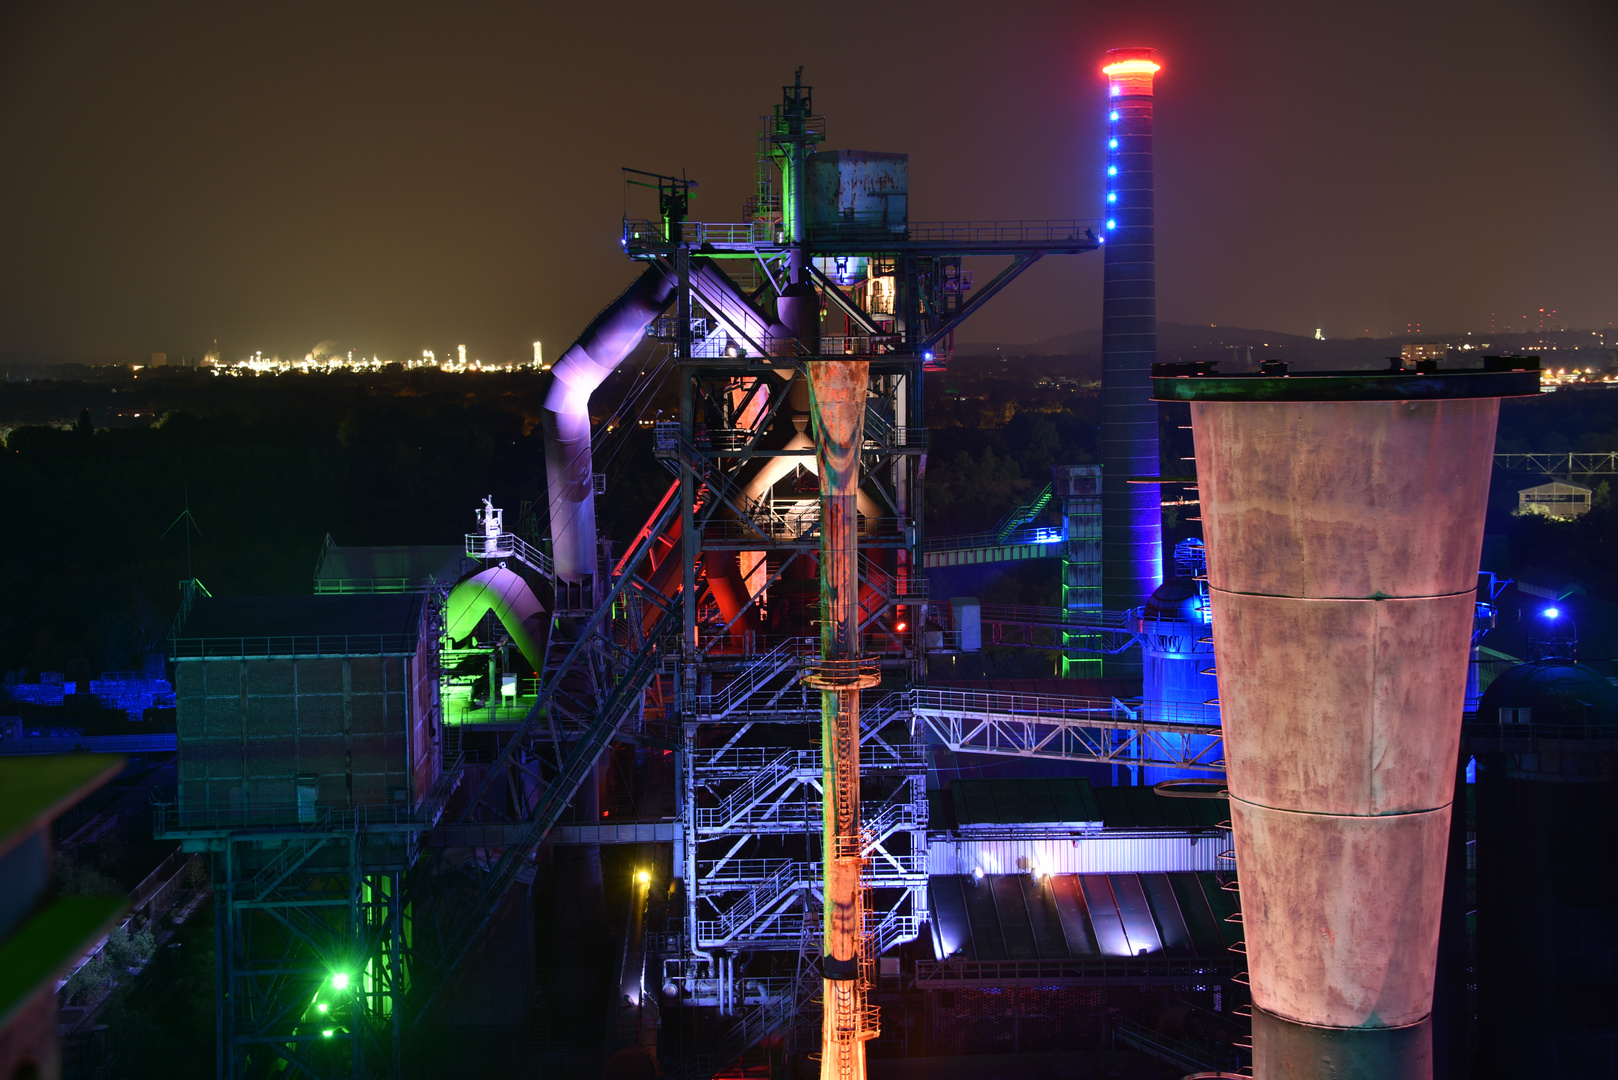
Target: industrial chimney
{"points": [[1131, 514], [1343, 515]]}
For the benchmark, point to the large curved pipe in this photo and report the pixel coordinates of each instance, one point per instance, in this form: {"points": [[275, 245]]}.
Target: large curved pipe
{"points": [[609, 338], [513, 603]]}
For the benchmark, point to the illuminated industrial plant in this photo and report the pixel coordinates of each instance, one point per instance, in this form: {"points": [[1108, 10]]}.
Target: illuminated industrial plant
{"points": [[766, 646]]}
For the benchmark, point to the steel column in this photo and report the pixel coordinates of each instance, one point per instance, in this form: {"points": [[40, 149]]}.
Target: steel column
{"points": [[837, 395]]}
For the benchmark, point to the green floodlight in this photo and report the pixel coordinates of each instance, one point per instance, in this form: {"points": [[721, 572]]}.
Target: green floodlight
{"points": [[322, 1006], [328, 1033], [339, 981]]}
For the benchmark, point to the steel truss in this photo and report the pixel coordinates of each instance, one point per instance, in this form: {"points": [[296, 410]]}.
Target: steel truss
{"points": [[1072, 728], [313, 939]]}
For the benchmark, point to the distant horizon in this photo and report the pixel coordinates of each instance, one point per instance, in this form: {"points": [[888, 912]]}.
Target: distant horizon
{"points": [[445, 351]]}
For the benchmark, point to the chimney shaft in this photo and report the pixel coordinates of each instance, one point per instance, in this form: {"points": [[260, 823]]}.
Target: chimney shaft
{"points": [[1131, 514]]}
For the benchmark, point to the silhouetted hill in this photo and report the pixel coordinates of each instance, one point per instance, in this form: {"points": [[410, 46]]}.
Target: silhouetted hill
{"points": [[1231, 345]]}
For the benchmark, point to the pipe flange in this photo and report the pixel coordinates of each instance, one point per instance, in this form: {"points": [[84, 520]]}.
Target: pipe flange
{"points": [[859, 674]]}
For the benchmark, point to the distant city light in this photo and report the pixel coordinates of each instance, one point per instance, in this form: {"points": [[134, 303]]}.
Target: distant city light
{"points": [[319, 362]]}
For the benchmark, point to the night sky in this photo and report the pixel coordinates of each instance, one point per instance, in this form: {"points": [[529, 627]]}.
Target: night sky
{"points": [[400, 176]]}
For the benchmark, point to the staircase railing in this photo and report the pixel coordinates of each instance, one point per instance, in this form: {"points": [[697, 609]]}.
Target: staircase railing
{"points": [[785, 656]]}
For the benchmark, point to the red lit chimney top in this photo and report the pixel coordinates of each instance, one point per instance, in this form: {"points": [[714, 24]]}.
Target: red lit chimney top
{"points": [[1130, 70]]}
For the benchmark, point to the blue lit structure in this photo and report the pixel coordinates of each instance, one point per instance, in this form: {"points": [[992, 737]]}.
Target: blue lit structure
{"points": [[1179, 683], [1132, 525]]}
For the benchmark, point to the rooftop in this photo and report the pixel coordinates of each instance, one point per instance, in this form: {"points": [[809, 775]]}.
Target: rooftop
{"points": [[365, 623]]}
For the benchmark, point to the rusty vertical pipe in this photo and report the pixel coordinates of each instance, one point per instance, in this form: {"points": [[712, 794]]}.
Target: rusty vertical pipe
{"points": [[837, 390], [1343, 515]]}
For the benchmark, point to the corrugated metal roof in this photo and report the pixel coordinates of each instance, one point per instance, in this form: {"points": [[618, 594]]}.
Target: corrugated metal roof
{"points": [[1074, 916]]}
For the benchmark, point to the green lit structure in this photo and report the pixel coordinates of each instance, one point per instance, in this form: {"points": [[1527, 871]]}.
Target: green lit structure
{"points": [[308, 769]]}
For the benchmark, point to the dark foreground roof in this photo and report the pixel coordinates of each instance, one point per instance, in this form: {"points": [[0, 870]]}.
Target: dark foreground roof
{"points": [[361, 624]]}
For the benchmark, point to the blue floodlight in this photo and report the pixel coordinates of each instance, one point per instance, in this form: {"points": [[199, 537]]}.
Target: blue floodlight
{"points": [[1112, 170], [1113, 143], [1111, 224], [1113, 116], [1112, 196], [1552, 613]]}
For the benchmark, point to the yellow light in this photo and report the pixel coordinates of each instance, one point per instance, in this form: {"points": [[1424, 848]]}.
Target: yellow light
{"points": [[1131, 67], [643, 877]]}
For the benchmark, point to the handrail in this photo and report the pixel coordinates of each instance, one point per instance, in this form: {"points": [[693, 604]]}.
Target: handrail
{"points": [[786, 654], [192, 648], [282, 816], [1052, 230], [1169, 716], [784, 768], [1534, 731], [644, 234], [347, 586], [1035, 534], [1551, 464], [505, 545]]}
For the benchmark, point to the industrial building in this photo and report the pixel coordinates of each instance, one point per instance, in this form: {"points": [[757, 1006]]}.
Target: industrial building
{"points": [[734, 709]]}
